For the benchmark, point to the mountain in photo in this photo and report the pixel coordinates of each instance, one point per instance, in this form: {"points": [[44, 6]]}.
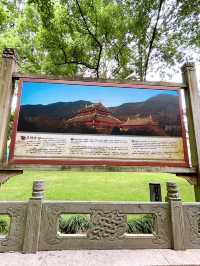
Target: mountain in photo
{"points": [[163, 109]]}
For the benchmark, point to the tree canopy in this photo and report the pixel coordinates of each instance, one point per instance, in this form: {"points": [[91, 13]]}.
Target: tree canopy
{"points": [[100, 38]]}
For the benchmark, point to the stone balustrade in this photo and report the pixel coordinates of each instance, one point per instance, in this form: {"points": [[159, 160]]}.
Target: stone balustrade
{"points": [[34, 224]]}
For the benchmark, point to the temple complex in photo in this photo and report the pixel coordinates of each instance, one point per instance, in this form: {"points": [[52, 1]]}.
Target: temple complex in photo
{"points": [[98, 118], [138, 123], [94, 116]]}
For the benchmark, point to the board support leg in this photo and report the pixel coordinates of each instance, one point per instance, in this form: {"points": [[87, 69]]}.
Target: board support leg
{"points": [[7, 67]]}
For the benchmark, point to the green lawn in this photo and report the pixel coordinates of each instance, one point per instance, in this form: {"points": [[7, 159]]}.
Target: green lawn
{"points": [[64, 185]]}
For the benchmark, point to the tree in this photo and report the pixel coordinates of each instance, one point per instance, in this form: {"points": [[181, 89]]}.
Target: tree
{"points": [[82, 35], [129, 36], [157, 36], [189, 19], [101, 38], [10, 11]]}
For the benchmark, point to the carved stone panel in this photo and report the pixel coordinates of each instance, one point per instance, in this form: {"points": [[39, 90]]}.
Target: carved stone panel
{"points": [[14, 240], [107, 225], [162, 228], [191, 215], [49, 226]]}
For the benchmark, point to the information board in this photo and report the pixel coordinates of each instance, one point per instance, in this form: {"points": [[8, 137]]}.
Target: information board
{"points": [[88, 123]]}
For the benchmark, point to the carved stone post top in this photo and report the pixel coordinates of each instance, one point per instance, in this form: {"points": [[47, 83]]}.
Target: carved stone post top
{"points": [[38, 189], [188, 65], [10, 53], [172, 191]]}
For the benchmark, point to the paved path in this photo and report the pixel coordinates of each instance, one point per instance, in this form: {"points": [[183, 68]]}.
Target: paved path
{"points": [[102, 258]]}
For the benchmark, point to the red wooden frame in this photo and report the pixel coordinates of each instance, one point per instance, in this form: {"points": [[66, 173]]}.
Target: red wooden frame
{"points": [[95, 162]]}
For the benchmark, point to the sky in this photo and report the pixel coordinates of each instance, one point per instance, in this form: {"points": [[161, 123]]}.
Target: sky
{"points": [[175, 76], [46, 93]]}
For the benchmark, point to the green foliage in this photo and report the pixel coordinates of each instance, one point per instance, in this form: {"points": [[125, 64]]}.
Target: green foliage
{"points": [[3, 17], [198, 221], [189, 19], [73, 224], [4, 226], [142, 225], [101, 38], [10, 125], [76, 224]]}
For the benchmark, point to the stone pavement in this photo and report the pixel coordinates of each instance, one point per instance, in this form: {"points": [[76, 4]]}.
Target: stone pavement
{"points": [[103, 258]]}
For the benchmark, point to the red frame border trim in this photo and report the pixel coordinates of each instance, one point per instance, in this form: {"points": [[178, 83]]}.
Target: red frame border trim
{"points": [[95, 163], [90, 162], [103, 84]]}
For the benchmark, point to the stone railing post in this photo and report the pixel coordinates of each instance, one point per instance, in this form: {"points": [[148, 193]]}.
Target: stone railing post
{"points": [[7, 67], [177, 219], [32, 227]]}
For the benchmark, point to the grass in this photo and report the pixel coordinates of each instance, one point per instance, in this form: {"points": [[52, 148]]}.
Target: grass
{"points": [[116, 186]]}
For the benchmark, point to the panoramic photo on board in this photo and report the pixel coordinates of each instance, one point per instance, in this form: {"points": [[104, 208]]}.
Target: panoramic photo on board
{"points": [[64, 108]]}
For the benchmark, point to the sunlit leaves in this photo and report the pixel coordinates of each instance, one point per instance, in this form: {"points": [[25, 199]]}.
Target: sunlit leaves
{"points": [[99, 38]]}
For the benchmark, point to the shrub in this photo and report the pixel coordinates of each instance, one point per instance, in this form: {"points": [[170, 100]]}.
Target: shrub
{"points": [[74, 224], [3, 226], [143, 225], [198, 221]]}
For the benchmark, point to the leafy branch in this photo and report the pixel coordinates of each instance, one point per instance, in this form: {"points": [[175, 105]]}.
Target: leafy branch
{"points": [[153, 37], [93, 37]]}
